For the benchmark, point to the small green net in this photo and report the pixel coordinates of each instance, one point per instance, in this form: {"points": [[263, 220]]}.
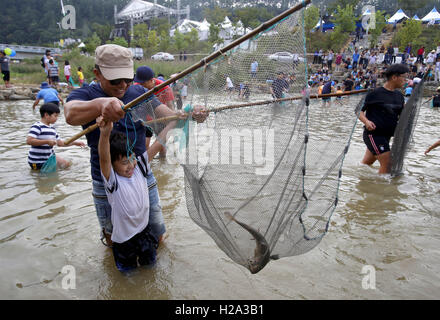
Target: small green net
{"points": [[50, 165]]}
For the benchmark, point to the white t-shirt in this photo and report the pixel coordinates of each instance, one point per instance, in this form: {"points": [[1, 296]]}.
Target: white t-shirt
{"points": [[67, 70], [130, 202], [46, 62]]}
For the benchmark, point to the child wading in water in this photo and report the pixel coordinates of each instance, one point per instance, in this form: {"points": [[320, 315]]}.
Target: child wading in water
{"points": [[125, 180], [43, 136]]}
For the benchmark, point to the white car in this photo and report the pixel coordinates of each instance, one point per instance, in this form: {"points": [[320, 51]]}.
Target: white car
{"points": [[285, 57], [164, 56]]}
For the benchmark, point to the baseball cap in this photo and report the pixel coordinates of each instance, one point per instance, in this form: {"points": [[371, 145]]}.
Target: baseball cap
{"points": [[115, 62], [143, 74]]}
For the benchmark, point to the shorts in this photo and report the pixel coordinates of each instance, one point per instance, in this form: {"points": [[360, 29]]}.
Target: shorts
{"points": [[54, 102], [6, 75], [36, 166], [326, 98], [55, 79], [375, 143], [141, 248], [148, 132], [103, 208]]}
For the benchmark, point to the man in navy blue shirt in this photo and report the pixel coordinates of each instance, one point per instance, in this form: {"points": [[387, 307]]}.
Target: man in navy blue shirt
{"points": [[115, 73]]}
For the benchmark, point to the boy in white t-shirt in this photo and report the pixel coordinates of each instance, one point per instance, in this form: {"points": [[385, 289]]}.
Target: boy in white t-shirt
{"points": [[125, 180]]}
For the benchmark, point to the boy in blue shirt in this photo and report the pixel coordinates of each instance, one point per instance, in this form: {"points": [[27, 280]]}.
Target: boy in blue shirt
{"points": [[48, 94]]}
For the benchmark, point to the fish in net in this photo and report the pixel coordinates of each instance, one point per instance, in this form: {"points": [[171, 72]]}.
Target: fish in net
{"points": [[405, 129], [262, 177]]}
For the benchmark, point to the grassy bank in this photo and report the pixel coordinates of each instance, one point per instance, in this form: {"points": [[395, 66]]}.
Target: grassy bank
{"points": [[29, 71]]}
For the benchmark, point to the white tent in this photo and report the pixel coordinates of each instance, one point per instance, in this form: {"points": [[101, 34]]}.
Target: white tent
{"points": [[432, 16], [416, 18], [204, 30], [399, 15], [185, 26]]}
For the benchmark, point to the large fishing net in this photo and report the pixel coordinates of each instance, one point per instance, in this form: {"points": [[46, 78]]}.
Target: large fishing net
{"points": [[262, 172], [405, 129]]}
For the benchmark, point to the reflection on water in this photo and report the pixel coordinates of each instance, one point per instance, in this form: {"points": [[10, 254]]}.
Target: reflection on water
{"points": [[49, 222]]}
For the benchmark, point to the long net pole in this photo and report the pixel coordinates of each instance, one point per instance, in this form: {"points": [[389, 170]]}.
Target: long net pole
{"points": [[251, 104], [205, 61]]}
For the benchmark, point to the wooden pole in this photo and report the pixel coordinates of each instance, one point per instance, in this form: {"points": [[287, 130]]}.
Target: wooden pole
{"points": [[235, 106], [202, 63]]}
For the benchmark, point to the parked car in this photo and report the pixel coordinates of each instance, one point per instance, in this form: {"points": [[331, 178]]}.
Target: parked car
{"points": [[164, 56], [285, 57]]}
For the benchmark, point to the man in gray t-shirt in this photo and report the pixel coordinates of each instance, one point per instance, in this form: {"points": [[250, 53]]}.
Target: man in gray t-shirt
{"points": [[4, 68]]}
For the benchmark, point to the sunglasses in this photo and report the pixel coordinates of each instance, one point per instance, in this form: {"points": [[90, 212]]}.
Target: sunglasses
{"points": [[117, 82]]}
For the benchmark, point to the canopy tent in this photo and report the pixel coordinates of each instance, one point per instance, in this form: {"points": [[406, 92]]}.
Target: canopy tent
{"points": [[397, 17], [432, 16], [416, 18]]}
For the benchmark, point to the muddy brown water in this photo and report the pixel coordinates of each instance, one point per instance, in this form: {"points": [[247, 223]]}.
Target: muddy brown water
{"points": [[50, 247]]}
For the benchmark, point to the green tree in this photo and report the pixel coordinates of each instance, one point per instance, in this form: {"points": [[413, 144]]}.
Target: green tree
{"points": [[179, 40], [215, 15], [140, 35], [409, 33], [214, 32], [191, 38], [153, 40], [333, 6], [160, 25], [119, 41], [165, 41], [102, 30], [345, 19], [92, 42], [252, 16], [311, 17]]}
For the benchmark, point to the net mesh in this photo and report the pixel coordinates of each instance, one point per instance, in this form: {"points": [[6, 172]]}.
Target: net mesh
{"points": [[261, 175], [405, 129]]}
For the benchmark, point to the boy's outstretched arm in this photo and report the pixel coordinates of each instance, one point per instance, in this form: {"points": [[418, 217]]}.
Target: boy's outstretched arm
{"points": [[435, 145], [104, 146], [60, 143]]}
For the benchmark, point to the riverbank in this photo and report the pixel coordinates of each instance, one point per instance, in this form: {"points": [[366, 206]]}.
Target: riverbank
{"points": [[26, 92], [29, 91]]}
